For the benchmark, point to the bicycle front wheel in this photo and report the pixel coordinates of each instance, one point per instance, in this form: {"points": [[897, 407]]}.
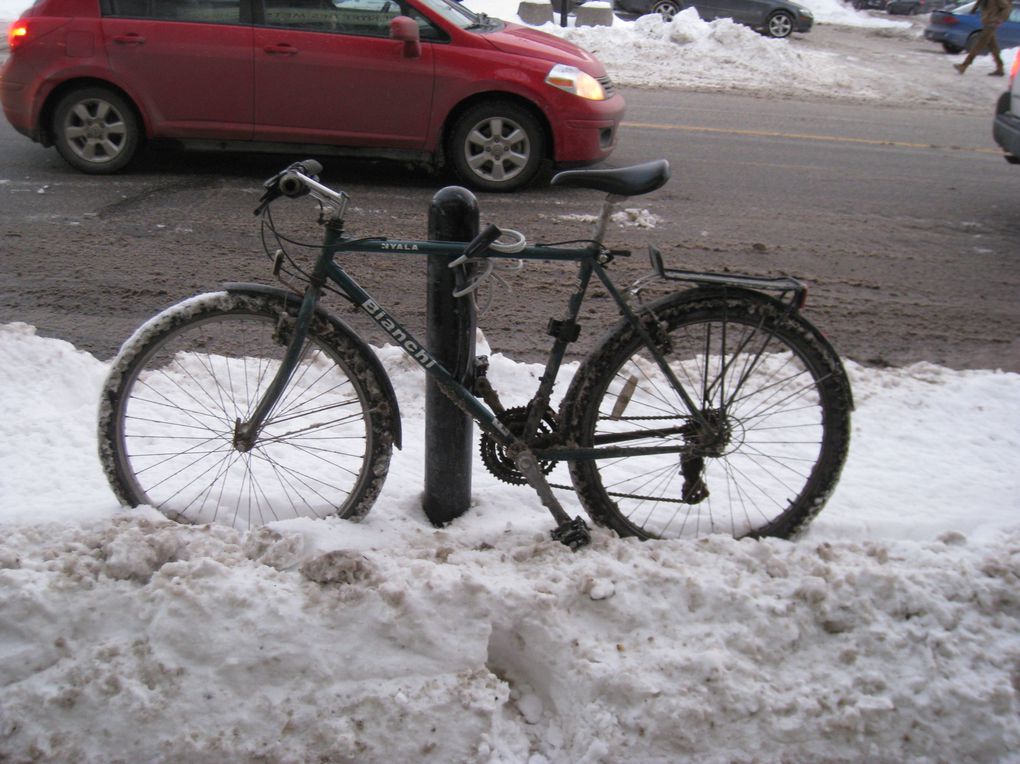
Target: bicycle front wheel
{"points": [[768, 443], [180, 385]]}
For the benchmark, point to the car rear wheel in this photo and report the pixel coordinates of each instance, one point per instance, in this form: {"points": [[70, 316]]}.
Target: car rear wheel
{"points": [[667, 9], [779, 25], [95, 130], [497, 146], [948, 47], [972, 41]]}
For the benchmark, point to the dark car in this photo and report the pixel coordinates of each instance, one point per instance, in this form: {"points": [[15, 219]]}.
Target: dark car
{"points": [[775, 18], [1006, 128], [870, 5], [426, 80], [914, 7], [957, 28]]}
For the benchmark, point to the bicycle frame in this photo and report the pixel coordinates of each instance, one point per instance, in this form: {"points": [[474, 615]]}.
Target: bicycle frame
{"points": [[591, 260]]}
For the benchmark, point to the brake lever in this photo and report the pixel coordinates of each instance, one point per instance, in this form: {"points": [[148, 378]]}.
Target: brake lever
{"points": [[271, 195]]}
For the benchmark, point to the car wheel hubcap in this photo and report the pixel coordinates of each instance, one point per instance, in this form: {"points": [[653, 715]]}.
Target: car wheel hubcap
{"points": [[781, 26], [665, 10], [95, 131], [497, 149]]}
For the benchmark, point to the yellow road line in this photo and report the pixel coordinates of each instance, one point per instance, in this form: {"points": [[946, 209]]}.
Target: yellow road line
{"points": [[807, 137]]}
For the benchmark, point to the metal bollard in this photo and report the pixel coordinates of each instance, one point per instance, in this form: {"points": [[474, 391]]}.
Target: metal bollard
{"points": [[450, 335]]}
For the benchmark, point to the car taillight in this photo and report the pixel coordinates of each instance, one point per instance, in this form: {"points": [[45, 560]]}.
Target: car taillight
{"points": [[16, 34], [1016, 68]]}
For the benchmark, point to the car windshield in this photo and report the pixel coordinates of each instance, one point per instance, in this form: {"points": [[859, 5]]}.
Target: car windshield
{"points": [[455, 13], [961, 8]]}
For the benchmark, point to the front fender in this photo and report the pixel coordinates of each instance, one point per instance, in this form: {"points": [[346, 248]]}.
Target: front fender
{"points": [[339, 326]]}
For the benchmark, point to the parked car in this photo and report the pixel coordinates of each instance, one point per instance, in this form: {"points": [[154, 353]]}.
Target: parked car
{"points": [[421, 79], [870, 5], [1006, 128], [914, 7], [774, 18], [957, 28], [942, 19]]}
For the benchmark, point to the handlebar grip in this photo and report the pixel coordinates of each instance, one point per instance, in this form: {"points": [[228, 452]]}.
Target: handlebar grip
{"points": [[482, 241], [291, 184]]}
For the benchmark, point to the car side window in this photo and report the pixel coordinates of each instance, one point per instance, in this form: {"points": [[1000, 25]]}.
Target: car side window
{"points": [[200, 11], [358, 17]]}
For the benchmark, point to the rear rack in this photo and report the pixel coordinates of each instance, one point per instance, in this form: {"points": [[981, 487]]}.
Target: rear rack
{"points": [[783, 284]]}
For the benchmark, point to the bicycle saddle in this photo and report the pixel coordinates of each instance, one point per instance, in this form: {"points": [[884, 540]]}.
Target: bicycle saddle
{"points": [[624, 181]]}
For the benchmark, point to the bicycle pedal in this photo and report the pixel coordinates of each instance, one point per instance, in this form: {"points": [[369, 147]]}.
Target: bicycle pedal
{"points": [[573, 533]]}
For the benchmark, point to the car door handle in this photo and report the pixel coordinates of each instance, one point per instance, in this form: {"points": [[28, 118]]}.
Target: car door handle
{"points": [[281, 49], [131, 38]]}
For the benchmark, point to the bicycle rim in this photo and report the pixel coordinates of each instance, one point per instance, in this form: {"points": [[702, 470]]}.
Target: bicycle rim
{"points": [[177, 410], [767, 451]]}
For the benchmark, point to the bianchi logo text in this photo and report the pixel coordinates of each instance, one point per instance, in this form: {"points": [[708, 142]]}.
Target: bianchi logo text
{"points": [[416, 351]]}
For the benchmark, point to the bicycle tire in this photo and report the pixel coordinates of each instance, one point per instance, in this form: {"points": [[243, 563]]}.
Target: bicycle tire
{"points": [[169, 406], [780, 378]]}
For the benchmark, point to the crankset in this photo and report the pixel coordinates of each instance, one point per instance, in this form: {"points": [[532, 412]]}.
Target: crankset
{"points": [[495, 456]]}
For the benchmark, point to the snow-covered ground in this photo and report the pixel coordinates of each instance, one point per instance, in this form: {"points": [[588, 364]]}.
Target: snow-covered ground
{"points": [[888, 633]]}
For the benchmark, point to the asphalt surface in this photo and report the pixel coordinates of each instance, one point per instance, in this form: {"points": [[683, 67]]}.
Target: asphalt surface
{"points": [[903, 220]]}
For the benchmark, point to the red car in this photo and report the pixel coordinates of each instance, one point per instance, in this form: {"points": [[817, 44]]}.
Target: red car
{"points": [[421, 79]]}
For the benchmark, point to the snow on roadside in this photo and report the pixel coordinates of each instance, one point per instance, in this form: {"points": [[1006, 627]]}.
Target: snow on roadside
{"points": [[888, 633]]}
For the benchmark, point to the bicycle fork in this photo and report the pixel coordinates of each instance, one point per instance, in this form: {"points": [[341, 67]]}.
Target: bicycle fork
{"points": [[247, 433]]}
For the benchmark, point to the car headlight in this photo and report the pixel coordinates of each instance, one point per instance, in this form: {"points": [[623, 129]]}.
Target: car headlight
{"points": [[573, 80]]}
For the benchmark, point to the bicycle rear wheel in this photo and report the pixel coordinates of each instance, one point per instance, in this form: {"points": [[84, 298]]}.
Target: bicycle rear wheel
{"points": [[178, 387], [775, 429]]}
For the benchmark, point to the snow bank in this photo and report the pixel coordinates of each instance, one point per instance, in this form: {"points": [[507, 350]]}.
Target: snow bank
{"points": [[889, 633], [151, 642]]}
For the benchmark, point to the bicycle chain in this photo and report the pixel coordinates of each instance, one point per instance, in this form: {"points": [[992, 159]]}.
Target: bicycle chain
{"points": [[620, 495]]}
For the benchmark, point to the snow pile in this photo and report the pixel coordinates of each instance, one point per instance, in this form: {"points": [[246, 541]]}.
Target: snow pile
{"points": [[824, 11], [889, 633], [151, 642], [716, 55]]}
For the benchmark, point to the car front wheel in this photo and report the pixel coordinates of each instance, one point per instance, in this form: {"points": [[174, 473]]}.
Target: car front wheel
{"points": [[497, 146], [666, 8], [95, 130], [779, 25]]}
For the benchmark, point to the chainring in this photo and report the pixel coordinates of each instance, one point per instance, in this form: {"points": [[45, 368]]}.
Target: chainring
{"points": [[495, 456]]}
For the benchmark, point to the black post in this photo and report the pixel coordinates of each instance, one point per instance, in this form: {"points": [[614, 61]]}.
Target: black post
{"points": [[450, 335]]}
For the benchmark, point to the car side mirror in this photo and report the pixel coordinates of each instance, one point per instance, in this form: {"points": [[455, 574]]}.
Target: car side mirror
{"points": [[405, 29]]}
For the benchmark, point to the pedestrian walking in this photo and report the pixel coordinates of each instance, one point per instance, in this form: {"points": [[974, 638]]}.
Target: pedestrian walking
{"points": [[993, 13]]}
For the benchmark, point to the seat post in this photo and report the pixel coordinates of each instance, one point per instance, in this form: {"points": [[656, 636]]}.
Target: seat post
{"points": [[602, 223]]}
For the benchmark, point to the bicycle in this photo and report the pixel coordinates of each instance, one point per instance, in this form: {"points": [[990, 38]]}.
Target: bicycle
{"points": [[716, 408]]}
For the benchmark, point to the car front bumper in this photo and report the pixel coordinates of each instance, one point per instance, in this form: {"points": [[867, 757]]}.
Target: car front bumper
{"points": [[1006, 129]]}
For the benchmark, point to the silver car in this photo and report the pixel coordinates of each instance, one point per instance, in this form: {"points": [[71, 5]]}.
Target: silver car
{"points": [[1006, 128]]}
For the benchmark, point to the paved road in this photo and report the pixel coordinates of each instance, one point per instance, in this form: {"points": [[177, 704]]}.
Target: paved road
{"points": [[904, 221]]}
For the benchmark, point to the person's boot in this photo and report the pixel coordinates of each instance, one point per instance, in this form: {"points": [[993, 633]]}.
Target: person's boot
{"points": [[961, 68], [996, 73]]}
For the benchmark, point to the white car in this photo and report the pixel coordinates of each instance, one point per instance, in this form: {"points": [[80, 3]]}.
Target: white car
{"points": [[1006, 128]]}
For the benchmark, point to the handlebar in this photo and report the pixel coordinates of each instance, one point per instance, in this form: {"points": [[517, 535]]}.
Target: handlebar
{"points": [[300, 179]]}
